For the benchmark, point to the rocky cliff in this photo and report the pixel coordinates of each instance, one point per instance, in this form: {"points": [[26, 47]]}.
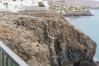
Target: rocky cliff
{"points": [[82, 3], [46, 41]]}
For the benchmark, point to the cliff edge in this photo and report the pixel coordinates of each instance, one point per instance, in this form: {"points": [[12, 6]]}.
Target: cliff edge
{"points": [[46, 41]]}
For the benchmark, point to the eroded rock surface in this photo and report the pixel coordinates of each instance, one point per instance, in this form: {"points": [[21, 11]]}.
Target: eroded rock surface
{"points": [[50, 41]]}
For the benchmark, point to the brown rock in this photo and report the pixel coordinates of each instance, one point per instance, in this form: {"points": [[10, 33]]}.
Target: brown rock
{"points": [[46, 41]]}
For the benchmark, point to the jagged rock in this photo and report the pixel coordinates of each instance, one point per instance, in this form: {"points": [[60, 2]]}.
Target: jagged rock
{"points": [[46, 41]]}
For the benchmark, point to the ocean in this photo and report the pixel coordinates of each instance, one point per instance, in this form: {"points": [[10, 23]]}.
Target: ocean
{"points": [[90, 26]]}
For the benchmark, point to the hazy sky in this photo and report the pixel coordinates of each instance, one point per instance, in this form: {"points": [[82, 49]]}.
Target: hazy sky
{"points": [[96, 0]]}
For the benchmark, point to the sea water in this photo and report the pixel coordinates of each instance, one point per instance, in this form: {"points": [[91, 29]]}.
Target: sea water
{"points": [[90, 26]]}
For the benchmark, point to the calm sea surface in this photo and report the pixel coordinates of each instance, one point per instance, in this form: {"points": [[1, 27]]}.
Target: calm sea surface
{"points": [[90, 26]]}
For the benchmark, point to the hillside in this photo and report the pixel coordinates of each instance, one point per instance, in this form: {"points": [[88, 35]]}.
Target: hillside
{"points": [[84, 3], [46, 41]]}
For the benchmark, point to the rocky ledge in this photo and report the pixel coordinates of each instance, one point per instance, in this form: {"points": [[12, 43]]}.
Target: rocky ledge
{"points": [[46, 41], [78, 14]]}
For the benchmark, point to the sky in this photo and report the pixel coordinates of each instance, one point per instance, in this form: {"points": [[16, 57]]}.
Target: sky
{"points": [[96, 0]]}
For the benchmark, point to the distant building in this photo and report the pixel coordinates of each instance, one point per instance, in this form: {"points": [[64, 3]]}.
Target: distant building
{"points": [[21, 5]]}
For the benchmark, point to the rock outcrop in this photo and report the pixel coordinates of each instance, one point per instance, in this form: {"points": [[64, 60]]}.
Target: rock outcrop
{"points": [[97, 63], [82, 3], [79, 14], [46, 41]]}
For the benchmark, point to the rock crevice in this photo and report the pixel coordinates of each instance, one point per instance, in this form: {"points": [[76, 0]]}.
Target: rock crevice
{"points": [[47, 41]]}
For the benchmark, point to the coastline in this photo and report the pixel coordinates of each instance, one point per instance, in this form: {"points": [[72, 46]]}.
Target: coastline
{"points": [[78, 14], [83, 21], [45, 37]]}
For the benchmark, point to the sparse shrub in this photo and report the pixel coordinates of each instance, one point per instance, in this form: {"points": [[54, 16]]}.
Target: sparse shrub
{"points": [[41, 4]]}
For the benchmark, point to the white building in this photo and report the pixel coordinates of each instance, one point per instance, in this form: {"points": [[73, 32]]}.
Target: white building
{"points": [[21, 5]]}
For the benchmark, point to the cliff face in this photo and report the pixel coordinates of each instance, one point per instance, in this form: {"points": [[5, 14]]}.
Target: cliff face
{"points": [[83, 3], [46, 41]]}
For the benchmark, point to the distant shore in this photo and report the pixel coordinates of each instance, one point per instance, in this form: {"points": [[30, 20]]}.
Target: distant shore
{"points": [[79, 14], [45, 13], [71, 11]]}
